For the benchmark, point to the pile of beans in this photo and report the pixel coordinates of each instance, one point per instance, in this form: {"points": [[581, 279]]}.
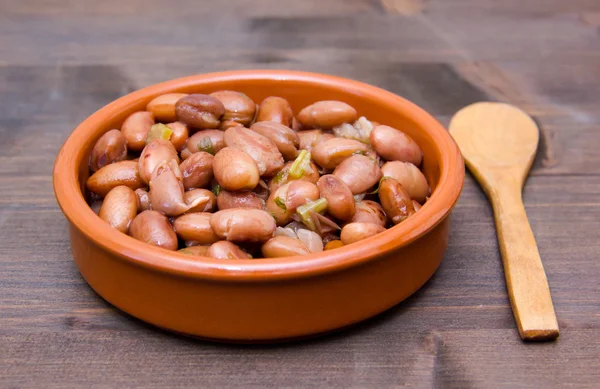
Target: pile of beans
{"points": [[220, 176]]}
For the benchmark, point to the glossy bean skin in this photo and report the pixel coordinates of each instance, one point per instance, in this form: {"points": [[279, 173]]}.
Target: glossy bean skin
{"points": [[354, 232], [243, 199], [333, 244], [339, 197], [119, 208], [226, 250], [395, 200], [113, 175], [283, 202], [235, 170], [283, 246], [275, 109], [409, 176], [326, 114], [330, 153], [199, 111], [394, 145], [153, 227], [200, 200], [239, 108], [198, 141], [111, 147], [156, 152], [266, 155], [135, 129], [166, 189], [143, 199], [243, 225], [179, 136], [283, 178], [197, 170], [368, 211], [195, 250], [195, 227], [359, 172], [284, 138], [310, 138], [163, 106]]}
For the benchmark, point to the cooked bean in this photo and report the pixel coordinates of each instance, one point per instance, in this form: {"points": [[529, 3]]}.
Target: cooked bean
{"points": [[119, 208], [266, 155], [310, 175], [311, 240], [197, 170], [195, 250], [330, 153], [395, 200], [239, 108], [283, 137], [409, 176], [135, 128], [368, 211], [195, 227], [333, 244], [275, 109], [359, 172], [199, 111], [282, 203], [113, 175], [326, 114], [338, 195], [308, 139], [156, 152], [416, 205], [210, 141], [235, 170], [283, 246], [296, 126], [243, 225], [353, 232], [200, 200], [111, 147], [394, 145], [179, 136], [143, 199], [153, 228], [166, 189], [163, 106], [226, 250], [242, 199]]}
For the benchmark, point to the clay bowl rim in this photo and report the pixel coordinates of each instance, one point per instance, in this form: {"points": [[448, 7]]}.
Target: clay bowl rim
{"points": [[80, 215]]}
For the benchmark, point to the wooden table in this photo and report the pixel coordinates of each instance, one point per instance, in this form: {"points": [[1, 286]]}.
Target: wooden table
{"points": [[62, 60]]}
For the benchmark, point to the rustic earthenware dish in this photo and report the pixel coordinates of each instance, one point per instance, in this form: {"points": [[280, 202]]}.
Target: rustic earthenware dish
{"points": [[263, 300]]}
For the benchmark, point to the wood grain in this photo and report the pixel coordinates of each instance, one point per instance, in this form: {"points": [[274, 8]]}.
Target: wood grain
{"points": [[62, 60]]}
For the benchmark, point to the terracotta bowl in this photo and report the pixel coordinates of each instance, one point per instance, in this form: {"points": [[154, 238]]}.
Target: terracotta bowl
{"points": [[263, 300]]}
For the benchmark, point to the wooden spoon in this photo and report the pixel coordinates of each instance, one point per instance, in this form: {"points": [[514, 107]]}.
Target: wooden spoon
{"points": [[499, 142]]}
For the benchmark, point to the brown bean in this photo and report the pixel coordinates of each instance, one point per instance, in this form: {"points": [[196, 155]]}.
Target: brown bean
{"points": [[353, 232], [163, 106], [326, 114], [243, 199], [239, 108], [266, 155], [368, 211], [113, 175], [235, 170], [243, 225], [310, 138], [195, 250], [166, 189], [199, 111], [339, 197], [111, 147], [333, 244], [226, 250], [332, 152], [282, 177], [394, 145], [296, 126], [275, 109], [283, 137], [156, 152], [200, 200], [416, 205], [409, 176], [153, 228], [135, 129], [395, 200], [283, 246], [195, 227], [179, 136], [283, 202], [119, 208], [197, 170], [210, 141], [359, 172], [143, 199]]}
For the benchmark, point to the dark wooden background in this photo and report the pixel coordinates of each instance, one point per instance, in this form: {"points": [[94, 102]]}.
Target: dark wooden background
{"points": [[62, 60]]}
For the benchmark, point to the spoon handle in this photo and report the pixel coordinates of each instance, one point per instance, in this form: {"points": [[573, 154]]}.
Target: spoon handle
{"points": [[525, 277]]}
